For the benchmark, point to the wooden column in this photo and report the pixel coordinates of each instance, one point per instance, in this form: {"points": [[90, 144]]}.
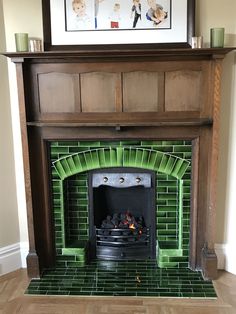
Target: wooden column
{"points": [[209, 258], [32, 257]]}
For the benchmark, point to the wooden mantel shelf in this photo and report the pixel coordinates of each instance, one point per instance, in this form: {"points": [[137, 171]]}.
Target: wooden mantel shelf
{"points": [[121, 52], [173, 122]]}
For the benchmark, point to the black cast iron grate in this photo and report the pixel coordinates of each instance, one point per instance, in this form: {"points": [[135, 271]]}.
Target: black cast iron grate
{"points": [[121, 237]]}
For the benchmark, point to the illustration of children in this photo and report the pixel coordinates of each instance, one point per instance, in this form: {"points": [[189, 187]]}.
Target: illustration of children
{"points": [[82, 20], [115, 16], [96, 3], [136, 11], [155, 13]]}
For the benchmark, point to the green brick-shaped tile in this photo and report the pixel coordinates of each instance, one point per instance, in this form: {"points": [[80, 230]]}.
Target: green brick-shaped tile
{"points": [[119, 156], [110, 157]]}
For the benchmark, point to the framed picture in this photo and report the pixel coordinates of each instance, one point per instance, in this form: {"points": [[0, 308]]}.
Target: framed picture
{"points": [[69, 24]]}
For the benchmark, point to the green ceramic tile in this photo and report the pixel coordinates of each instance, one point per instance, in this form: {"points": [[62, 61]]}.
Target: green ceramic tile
{"points": [[60, 150], [109, 143], [163, 163], [125, 157], [172, 202], [130, 143], [138, 158], [167, 208], [98, 279], [169, 196], [185, 148], [157, 163], [101, 156], [89, 143], [88, 160], [182, 170], [95, 158], [145, 159]]}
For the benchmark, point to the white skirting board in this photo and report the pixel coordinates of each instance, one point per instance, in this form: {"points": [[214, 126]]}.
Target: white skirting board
{"points": [[13, 257], [226, 255]]}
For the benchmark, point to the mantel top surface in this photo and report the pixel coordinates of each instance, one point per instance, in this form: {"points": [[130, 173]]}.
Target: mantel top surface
{"points": [[123, 52]]}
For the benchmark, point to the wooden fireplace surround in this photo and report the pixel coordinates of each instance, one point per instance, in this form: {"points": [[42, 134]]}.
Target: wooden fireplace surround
{"points": [[126, 93]]}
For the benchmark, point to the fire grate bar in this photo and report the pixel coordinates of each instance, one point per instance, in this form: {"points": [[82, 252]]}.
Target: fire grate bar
{"points": [[126, 237]]}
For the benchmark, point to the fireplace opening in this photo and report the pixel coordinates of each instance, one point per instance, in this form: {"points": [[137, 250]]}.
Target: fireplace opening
{"points": [[122, 214]]}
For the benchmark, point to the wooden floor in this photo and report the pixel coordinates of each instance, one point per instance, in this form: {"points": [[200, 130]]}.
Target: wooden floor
{"points": [[13, 300]]}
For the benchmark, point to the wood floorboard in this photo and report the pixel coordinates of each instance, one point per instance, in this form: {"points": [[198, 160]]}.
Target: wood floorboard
{"points": [[13, 301]]}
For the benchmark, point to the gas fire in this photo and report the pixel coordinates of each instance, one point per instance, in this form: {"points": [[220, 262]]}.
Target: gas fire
{"points": [[131, 226]]}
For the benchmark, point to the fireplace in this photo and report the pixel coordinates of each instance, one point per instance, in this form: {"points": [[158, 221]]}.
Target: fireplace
{"points": [[152, 112], [122, 220]]}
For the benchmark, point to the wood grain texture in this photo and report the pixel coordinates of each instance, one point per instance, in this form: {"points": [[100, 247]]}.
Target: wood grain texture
{"points": [[213, 167], [41, 187], [32, 258], [183, 91], [61, 88], [58, 92], [203, 184], [13, 301], [124, 51], [209, 259], [140, 90], [98, 91]]}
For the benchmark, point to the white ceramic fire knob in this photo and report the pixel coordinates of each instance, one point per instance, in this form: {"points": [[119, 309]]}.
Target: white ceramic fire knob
{"points": [[122, 180], [138, 180]]}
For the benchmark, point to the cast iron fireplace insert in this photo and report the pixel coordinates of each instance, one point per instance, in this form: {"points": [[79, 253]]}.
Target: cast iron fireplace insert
{"points": [[122, 221]]}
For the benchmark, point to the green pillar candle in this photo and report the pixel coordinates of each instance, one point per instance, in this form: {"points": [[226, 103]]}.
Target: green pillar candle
{"points": [[217, 37], [21, 40]]}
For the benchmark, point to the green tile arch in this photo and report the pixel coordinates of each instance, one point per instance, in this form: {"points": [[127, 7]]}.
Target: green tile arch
{"points": [[121, 157]]}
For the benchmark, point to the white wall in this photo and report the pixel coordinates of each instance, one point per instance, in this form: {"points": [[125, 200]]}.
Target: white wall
{"points": [[25, 16], [9, 225], [15, 16], [209, 14], [8, 202]]}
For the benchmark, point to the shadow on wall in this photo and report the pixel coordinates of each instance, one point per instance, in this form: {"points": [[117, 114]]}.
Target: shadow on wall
{"points": [[224, 172], [230, 40]]}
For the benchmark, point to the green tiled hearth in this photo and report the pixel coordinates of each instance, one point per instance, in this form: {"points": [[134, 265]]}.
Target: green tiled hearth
{"points": [[138, 279]]}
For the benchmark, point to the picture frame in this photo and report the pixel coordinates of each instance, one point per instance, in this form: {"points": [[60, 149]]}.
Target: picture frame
{"points": [[63, 32]]}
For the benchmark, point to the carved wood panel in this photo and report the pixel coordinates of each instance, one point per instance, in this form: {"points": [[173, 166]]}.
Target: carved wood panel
{"points": [[98, 91], [58, 92], [65, 90], [140, 91], [183, 91]]}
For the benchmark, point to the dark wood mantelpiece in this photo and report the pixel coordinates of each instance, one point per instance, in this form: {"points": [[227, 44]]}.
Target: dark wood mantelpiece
{"points": [[131, 50], [125, 52], [185, 84]]}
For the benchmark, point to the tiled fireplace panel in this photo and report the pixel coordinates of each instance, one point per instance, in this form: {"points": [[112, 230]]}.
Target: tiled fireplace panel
{"points": [[70, 200]]}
